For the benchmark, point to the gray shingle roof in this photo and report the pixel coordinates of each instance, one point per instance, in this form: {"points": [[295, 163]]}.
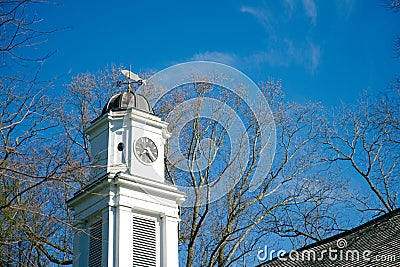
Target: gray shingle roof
{"points": [[375, 243]]}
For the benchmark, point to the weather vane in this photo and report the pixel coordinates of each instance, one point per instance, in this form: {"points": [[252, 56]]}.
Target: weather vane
{"points": [[132, 78]]}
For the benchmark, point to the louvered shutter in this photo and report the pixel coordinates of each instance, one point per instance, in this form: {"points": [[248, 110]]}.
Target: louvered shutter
{"points": [[144, 242], [95, 244]]}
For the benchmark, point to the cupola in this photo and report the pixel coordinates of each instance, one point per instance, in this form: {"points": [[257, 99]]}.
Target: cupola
{"points": [[122, 100]]}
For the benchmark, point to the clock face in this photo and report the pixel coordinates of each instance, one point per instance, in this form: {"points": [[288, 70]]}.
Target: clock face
{"points": [[146, 150]]}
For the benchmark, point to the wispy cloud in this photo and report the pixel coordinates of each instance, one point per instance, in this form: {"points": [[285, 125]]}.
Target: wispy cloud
{"points": [[281, 56], [315, 54], [264, 16], [289, 7], [311, 10], [221, 57], [287, 54], [345, 7], [283, 50]]}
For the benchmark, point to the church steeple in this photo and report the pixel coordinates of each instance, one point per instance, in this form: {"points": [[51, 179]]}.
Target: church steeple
{"points": [[127, 215]]}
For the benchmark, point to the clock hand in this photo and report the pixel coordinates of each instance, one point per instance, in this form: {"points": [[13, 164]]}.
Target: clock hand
{"points": [[151, 155], [144, 151]]}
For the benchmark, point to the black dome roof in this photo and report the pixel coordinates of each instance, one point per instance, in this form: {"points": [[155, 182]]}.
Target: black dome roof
{"points": [[125, 100]]}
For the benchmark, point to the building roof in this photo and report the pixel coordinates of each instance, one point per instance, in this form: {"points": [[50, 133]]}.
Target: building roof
{"points": [[375, 243], [125, 100]]}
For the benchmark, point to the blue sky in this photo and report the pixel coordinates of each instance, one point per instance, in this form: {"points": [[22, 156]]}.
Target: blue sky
{"points": [[324, 51]]}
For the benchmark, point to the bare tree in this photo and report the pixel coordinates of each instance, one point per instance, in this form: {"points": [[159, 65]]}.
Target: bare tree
{"points": [[227, 230], [34, 229], [45, 159], [31, 162], [20, 31], [365, 137], [394, 5]]}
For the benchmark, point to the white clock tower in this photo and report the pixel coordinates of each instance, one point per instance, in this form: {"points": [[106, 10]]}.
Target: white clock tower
{"points": [[127, 215]]}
